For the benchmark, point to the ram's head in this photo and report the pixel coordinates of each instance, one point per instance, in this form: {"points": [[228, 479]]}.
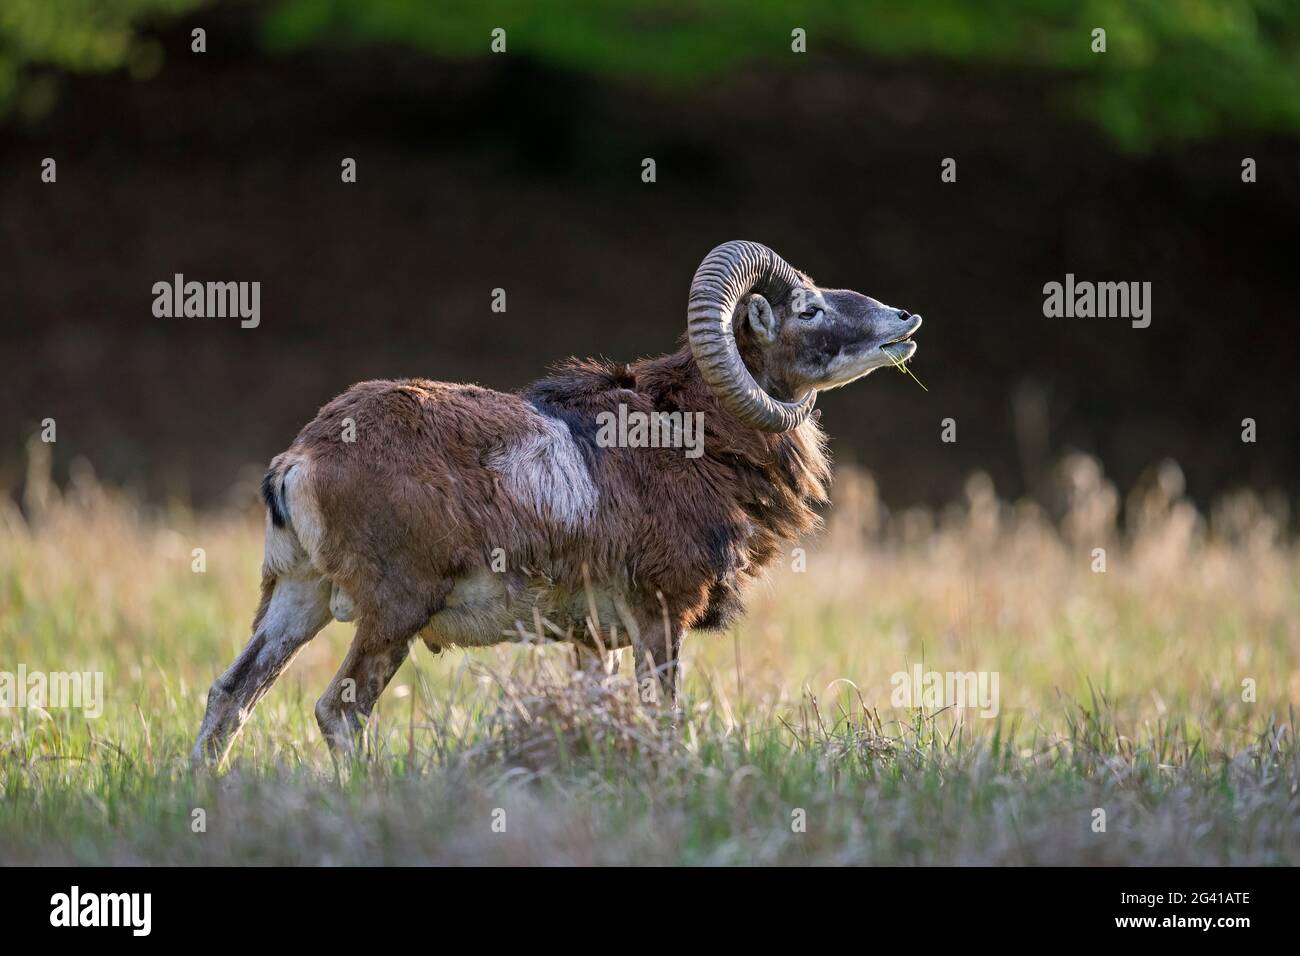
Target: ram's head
{"points": [[767, 339]]}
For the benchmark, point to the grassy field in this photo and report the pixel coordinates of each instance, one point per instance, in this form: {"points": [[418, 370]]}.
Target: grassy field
{"points": [[1159, 692]]}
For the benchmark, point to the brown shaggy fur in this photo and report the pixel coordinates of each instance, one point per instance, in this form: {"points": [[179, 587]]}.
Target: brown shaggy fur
{"points": [[468, 516], [412, 504], [396, 500]]}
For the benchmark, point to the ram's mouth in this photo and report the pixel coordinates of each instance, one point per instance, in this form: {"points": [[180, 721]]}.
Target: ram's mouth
{"points": [[899, 351], [857, 360], [903, 348]]}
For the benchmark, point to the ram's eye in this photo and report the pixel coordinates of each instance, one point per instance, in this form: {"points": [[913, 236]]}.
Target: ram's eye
{"points": [[811, 314]]}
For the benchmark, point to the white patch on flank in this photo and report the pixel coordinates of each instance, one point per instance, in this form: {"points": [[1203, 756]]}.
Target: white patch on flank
{"points": [[546, 473]]}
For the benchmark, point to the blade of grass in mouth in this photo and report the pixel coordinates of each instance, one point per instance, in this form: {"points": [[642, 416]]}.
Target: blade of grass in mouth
{"points": [[902, 367]]}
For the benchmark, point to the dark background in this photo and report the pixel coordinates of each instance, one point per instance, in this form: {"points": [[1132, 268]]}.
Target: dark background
{"points": [[522, 172]]}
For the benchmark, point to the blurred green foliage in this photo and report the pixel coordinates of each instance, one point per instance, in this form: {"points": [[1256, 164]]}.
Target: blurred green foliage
{"points": [[75, 35], [1173, 69]]}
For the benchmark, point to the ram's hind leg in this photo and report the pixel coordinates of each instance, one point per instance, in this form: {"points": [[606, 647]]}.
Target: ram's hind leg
{"points": [[379, 648], [292, 612]]}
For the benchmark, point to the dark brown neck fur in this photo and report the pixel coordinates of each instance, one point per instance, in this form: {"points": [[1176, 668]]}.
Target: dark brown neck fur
{"points": [[767, 484]]}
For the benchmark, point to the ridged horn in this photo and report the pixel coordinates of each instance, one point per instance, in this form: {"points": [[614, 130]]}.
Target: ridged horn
{"points": [[727, 274]]}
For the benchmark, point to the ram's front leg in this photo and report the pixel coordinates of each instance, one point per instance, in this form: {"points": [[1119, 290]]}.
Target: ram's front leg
{"points": [[594, 662], [656, 648]]}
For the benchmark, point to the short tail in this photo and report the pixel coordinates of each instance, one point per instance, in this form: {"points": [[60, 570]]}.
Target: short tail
{"points": [[290, 512], [273, 493]]}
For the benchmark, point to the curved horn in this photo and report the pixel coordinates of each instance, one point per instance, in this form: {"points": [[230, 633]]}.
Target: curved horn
{"points": [[729, 272]]}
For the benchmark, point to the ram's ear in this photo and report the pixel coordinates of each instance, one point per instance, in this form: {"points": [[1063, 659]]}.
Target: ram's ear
{"points": [[762, 320]]}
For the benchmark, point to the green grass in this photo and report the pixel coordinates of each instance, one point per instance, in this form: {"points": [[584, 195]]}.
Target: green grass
{"points": [[1119, 691]]}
